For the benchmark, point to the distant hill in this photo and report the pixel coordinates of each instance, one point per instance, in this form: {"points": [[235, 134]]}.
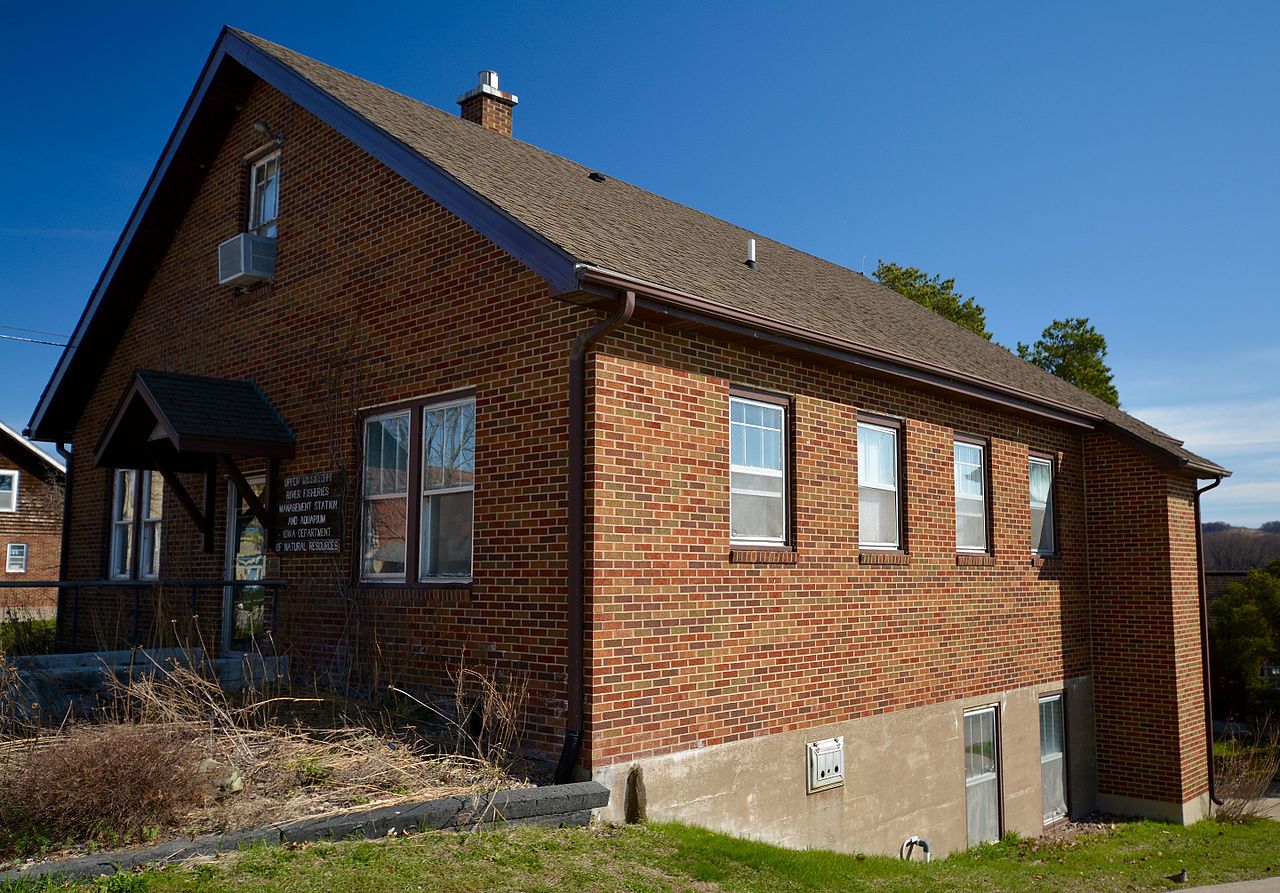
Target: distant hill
{"points": [[1228, 548]]}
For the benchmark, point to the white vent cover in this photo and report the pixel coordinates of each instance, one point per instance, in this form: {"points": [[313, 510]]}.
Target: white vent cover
{"points": [[826, 764], [246, 259]]}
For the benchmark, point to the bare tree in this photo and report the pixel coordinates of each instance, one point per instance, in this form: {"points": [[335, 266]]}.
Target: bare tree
{"points": [[1239, 549]]}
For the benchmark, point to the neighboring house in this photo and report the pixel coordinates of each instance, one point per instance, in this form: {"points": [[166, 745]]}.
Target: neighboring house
{"points": [[783, 552], [30, 524]]}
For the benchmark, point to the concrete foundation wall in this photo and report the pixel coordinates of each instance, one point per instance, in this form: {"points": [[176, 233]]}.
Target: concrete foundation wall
{"points": [[904, 775]]}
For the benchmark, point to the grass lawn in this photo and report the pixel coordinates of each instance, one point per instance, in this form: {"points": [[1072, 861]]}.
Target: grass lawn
{"points": [[1136, 856]]}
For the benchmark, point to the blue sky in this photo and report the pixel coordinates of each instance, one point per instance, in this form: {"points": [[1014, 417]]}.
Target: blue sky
{"points": [[1115, 161]]}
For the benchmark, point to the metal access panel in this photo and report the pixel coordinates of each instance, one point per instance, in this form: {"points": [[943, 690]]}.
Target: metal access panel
{"points": [[826, 764]]}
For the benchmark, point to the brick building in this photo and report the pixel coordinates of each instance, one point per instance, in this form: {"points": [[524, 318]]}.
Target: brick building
{"points": [[780, 552], [30, 524]]}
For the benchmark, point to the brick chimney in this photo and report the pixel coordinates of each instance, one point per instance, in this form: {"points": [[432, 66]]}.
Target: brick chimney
{"points": [[488, 106]]}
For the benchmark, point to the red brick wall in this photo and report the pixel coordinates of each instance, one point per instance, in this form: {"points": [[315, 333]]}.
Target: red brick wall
{"points": [[690, 648], [382, 291], [1148, 685], [37, 522]]}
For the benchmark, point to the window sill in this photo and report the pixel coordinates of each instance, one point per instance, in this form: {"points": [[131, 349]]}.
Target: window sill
{"points": [[758, 555], [963, 560], [436, 593], [883, 558], [1050, 561]]}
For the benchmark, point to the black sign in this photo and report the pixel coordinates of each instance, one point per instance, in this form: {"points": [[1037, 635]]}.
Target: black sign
{"points": [[309, 518]]}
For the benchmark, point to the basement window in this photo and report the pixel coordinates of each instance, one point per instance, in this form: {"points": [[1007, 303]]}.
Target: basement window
{"points": [[16, 559], [757, 470], [264, 195], [1053, 758], [8, 491]]}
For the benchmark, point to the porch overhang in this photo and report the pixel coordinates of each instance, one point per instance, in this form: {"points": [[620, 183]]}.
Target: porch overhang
{"points": [[175, 423], [169, 421]]}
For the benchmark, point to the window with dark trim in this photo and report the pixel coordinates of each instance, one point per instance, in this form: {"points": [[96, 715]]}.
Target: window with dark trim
{"points": [[881, 522], [137, 513], [1042, 476], [264, 194], [417, 487], [973, 512], [759, 469]]}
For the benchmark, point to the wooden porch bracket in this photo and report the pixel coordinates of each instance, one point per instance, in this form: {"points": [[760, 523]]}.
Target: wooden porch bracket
{"points": [[203, 519], [260, 512]]}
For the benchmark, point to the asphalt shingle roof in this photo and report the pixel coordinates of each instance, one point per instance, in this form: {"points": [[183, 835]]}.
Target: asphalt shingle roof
{"points": [[216, 409], [626, 229]]}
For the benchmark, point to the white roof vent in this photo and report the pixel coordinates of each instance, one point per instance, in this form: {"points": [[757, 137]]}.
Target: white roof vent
{"points": [[246, 259]]}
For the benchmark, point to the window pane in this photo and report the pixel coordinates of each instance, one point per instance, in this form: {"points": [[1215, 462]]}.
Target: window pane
{"points": [[968, 463], [1042, 532], [154, 495], [755, 484], [449, 443], [756, 517], [971, 524], [877, 456], [16, 559], [150, 550], [755, 435], [877, 517], [447, 529], [124, 495], [1051, 736], [384, 536], [386, 459], [984, 811], [7, 481], [121, 550]]}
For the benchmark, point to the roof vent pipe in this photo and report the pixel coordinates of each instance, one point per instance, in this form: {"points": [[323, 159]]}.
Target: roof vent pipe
{"points": [[751, 253], [487, 78]]}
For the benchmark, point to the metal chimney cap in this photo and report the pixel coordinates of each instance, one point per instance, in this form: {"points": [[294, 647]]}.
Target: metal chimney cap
{"points": [[487, 77], [487, 85]]}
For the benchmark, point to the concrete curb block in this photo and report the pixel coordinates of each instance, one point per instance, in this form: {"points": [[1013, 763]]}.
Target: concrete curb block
{"points": [[553, 807]]}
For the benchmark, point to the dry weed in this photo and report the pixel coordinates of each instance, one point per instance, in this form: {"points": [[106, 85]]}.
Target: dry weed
{"points": [[1245, 770]]}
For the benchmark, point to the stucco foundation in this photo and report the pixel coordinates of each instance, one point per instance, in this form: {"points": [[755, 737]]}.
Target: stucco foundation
{"points": [[904, 775]]}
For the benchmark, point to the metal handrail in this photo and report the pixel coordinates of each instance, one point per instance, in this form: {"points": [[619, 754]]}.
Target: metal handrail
{"points": [[137, 587]]}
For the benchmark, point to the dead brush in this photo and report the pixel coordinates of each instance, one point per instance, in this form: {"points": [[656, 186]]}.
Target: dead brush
{"points": [[488, 715], [113, 782], [1245, 770]]}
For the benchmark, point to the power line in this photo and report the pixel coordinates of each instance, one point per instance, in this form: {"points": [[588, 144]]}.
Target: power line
{"points": [[32, 331], [32, 340]]}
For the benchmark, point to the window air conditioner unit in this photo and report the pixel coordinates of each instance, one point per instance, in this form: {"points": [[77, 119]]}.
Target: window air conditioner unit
{"points": [[246, 259]]}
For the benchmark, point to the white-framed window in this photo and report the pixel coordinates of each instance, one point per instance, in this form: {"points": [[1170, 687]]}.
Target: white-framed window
{"points": [[8, 491], [982, 774], [137, 513], [879, 500], [448, 489], [971, 496], [386, 496], [1053, 758], [1043, 535], [16, 559], [264, 195], [757, 471], [418, 493]]}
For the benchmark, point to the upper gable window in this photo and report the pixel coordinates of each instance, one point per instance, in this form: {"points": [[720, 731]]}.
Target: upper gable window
{"points": [[264, 195], [8, 491]]}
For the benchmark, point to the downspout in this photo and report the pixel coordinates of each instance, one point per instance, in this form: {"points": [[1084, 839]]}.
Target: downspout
{"points": [[64, 554], [574, 669], [1204, 644]]}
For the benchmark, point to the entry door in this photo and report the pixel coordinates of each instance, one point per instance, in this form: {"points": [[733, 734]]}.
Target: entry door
{"points": [[244, 607], [982, 774]]}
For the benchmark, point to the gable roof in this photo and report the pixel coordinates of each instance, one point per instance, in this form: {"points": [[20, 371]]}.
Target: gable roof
{"points": [[579, 233], [29, 449], [191, 417]]}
